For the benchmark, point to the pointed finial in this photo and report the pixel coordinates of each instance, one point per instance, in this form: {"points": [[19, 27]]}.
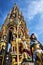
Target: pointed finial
{"points": [[15, 5]]}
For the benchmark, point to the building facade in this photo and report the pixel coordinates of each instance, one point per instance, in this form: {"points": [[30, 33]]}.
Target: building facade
{"points": [[14, 38]]}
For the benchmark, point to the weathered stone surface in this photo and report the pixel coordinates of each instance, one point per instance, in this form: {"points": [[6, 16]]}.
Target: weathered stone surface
{"points": [[31, 63]]}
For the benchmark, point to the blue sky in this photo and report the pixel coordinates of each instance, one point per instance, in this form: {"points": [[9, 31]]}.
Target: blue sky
{"points": [[32, 11]]}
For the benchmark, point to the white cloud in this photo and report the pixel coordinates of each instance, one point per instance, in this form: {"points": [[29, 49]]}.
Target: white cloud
{"points": [[33, 7]]}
